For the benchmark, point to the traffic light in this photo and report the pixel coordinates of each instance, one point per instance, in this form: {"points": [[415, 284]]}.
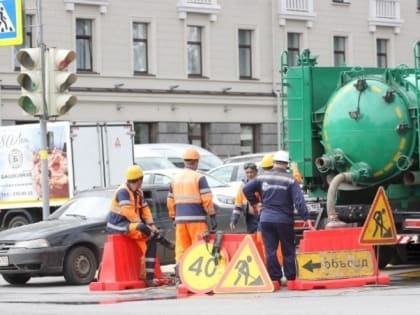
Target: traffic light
{"points": [[30, 80], [60, 80]]}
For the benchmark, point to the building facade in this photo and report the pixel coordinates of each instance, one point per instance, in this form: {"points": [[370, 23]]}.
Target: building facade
{"points": [[203, 71]]}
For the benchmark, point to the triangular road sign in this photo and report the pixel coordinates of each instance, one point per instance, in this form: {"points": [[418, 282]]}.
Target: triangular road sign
{"points": [[379, 227], [246, 272]]}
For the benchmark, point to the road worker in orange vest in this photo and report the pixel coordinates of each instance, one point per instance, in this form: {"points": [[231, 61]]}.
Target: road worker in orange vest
{"points": [[130, 214], [189, 202], [241, 203]]}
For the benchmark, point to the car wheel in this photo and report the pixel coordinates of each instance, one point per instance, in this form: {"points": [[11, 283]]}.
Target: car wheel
{"points": [[80, 266], [18, 220], [16, 278]]}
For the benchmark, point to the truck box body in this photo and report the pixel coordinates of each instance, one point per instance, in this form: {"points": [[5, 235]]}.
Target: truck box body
{"points": [[80, 156]]}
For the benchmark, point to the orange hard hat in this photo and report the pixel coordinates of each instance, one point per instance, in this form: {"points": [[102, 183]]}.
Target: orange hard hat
{"points": [[191, 154]]}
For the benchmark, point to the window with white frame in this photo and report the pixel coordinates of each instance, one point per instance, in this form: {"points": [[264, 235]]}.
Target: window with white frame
{"points": [[28, 38], [84, 44], [382, 52], [194, 48], [245, 54], [293, 43], [339, 50], [140, 48]]}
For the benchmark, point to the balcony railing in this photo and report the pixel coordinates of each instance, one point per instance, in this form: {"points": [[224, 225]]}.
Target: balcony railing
{"points": [[210, 7], [296, 10], [384, 13]]}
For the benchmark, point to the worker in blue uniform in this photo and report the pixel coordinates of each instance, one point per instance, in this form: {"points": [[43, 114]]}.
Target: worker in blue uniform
{"points": [[280, 193]]}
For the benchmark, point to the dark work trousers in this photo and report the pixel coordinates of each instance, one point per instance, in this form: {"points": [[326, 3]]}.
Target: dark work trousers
{"points": [[272, 234], [150, 258], [252, 222]]}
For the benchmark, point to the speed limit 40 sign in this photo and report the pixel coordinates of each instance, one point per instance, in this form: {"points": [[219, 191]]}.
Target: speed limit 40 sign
{"points": [[200, 272]]}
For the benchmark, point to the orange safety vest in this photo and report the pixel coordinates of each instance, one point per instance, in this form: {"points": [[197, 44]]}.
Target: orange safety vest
{"points": [[190, 198], [126, 214]]}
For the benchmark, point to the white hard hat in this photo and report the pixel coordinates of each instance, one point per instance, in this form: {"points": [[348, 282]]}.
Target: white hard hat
{"points": [[281, 156]]}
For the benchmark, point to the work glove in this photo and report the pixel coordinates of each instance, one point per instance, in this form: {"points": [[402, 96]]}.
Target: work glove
{"points": [[141, 227], [234, 220], [213, 223]]}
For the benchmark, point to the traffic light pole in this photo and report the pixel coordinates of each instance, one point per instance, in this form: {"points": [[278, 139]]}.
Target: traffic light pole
{"points": [[43, 153]]}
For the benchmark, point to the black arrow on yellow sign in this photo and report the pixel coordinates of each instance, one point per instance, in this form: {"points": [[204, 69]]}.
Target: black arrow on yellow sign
{"points": [[310, 266]]}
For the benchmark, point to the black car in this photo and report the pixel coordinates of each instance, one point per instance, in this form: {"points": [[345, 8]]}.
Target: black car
{"points": [[70, 243]]}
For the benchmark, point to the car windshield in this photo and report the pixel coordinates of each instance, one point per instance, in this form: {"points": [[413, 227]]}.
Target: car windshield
{"points": [[214, 182], [88, 207], [154, 163], [206, 162]]}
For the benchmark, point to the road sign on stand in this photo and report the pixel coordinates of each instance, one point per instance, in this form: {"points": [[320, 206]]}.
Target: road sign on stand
{"points": [[199, 270], [246, 272], [328, 265], [11, 30], [379, 227]]}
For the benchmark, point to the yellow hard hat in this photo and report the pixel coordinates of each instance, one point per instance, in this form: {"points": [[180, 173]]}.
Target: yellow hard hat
{"points": [[267, 161], [133, 172], [191, 154]]}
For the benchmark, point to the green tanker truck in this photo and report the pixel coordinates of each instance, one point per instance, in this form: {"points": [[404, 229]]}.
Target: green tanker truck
{"points": [[352, 130]]}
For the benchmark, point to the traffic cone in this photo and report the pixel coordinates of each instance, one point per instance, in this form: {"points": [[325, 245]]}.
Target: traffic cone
{"points": [[160, 277], [119, 268]]}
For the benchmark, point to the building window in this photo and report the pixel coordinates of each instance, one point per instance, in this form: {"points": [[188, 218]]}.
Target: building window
{"points": [[197, 134], [84, 44], [145, 132], [245, 54], [28, 40], [339, 50], [194, 44], [418, 4], [293, 40], [381, 52], [140, 48], [248, 139]]}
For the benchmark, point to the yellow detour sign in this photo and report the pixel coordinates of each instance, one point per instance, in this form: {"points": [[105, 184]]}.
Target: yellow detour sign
{"points": [[335, 265], [245, 272], [198, 269], [379, 227]]}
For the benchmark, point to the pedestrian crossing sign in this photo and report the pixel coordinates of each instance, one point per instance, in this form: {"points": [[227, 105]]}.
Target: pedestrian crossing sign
{"points": [[246, 272], [11, 29], [379, 226]]}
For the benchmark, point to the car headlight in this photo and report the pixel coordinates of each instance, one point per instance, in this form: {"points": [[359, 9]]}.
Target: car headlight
{"points": [[38, 243], [225, 199]]}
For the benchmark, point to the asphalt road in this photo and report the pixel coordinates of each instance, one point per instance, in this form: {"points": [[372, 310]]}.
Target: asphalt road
{"points": [[52, 296]]}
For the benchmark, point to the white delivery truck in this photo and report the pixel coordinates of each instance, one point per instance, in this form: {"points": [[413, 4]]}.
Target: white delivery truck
{"points": [[80, 156]]}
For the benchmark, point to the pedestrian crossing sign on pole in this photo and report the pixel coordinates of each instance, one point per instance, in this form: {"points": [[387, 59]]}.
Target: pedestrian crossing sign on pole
{"points": [[11, 29], [379, 227]]}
